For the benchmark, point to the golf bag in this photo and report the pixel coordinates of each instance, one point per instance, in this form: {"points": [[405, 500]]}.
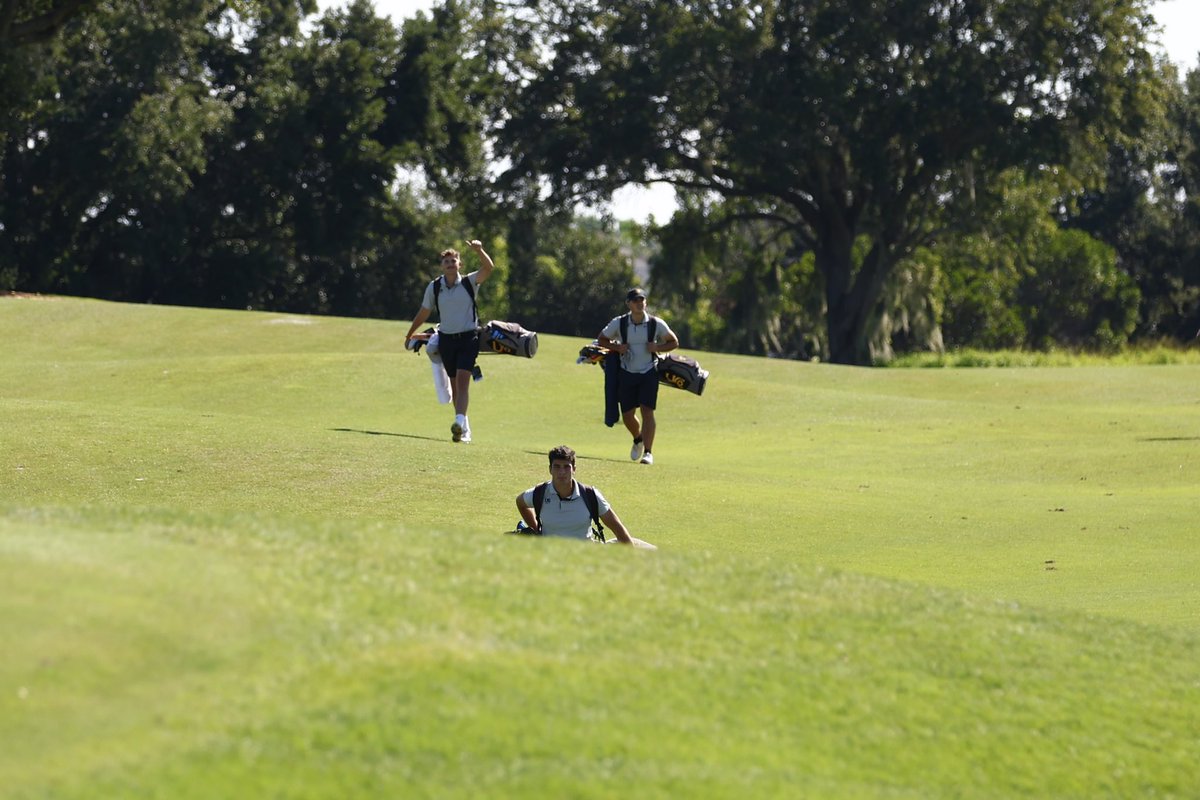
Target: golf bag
{"points": [[441, 381], [595, 354], [682, 372], [508, 338], [591, 354]]}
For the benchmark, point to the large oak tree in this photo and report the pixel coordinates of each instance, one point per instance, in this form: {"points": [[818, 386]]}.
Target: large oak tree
{"points": [[847, 121]]}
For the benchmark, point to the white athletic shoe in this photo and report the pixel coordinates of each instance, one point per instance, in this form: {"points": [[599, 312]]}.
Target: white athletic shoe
{"points": [[456, 432], [466, 436], [648, 458], [636, 452]]}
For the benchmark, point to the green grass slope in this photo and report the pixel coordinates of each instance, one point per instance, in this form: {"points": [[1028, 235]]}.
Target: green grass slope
{"points": [[239, 556]]}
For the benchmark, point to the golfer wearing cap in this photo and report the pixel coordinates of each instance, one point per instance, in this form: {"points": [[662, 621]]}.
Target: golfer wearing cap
{"points": [[639, 337]]}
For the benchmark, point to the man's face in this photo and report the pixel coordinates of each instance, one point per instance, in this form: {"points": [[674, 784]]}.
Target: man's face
{"points": [[637, 304], [562, 470], [450, 264]]}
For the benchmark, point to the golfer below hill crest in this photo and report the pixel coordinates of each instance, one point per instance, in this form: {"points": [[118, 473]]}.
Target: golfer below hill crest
{"points": [[452, 295], [564, 505], [639, 337]]}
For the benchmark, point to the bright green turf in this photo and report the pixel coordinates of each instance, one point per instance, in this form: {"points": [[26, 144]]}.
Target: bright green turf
{"points": [[240, 557]]}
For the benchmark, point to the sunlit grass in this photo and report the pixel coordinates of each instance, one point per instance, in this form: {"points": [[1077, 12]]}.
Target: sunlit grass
{"points": [[240, 557], [1151, 354]]}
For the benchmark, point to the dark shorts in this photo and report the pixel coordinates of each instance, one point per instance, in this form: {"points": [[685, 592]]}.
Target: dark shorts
{"points": [[458, 351], [638, 390]]}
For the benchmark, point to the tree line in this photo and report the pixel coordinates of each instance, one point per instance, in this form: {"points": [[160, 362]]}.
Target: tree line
{"points": [[855, 179]]}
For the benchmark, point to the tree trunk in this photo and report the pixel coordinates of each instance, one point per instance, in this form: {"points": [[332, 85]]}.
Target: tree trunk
{"points": [[522, 256], [847, 332], [851, 297], [835, 262]]}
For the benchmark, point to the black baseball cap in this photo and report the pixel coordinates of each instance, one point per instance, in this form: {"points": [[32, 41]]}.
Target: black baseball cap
{"points": [[635, 294]]}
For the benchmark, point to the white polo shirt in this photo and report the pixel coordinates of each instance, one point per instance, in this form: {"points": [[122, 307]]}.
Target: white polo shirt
{"points": [[638, 359], [456, 313], [567, 517]]}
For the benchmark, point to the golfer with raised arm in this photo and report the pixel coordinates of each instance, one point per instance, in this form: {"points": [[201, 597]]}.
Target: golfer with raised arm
{"points": [[452, 295]]}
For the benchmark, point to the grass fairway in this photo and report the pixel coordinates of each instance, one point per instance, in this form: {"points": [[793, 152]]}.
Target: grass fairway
{"points": [[239, 557]]}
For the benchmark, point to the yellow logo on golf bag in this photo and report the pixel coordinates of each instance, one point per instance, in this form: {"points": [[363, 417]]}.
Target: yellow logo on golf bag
{"points": [[497, 347], [677, 380]]}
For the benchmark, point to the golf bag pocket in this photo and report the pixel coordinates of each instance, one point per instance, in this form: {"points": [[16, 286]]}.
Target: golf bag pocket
{"points": [[682, 372], [508, 338]]}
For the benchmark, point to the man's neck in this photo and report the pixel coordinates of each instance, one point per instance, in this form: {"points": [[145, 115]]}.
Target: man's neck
{"points": [[638, 317], [452, 278], [564, 491]]}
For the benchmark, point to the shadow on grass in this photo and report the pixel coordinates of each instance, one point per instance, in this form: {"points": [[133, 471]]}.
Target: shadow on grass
{"points": [[582, 457], [578, 456], [387, 433], [1171, 439]]}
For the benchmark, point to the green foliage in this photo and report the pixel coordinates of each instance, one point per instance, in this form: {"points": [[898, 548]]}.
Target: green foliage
{"points": [[1170, 240], [1076, 296], [1157, 354], [828, 130], [229, 569], [1021, 281], [26, 77], [219, 154], [197, 153], [26, 24], [981, 279], [737, 284], [1141, 210], [161, 143], [568, 276], [299, 197]]}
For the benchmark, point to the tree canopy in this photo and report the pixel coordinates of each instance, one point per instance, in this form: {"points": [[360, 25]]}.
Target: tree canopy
{"points": [[26, 22], [836, 119], [857, 178], [206, 153]]}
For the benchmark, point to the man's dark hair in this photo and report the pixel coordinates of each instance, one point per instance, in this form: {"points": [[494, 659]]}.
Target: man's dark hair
{"points": [[562, 453]]}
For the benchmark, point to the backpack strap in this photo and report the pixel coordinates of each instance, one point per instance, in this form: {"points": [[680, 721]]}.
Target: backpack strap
{"points": [[466, 282], [539, 497], [588, 493], [593, 506]]}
